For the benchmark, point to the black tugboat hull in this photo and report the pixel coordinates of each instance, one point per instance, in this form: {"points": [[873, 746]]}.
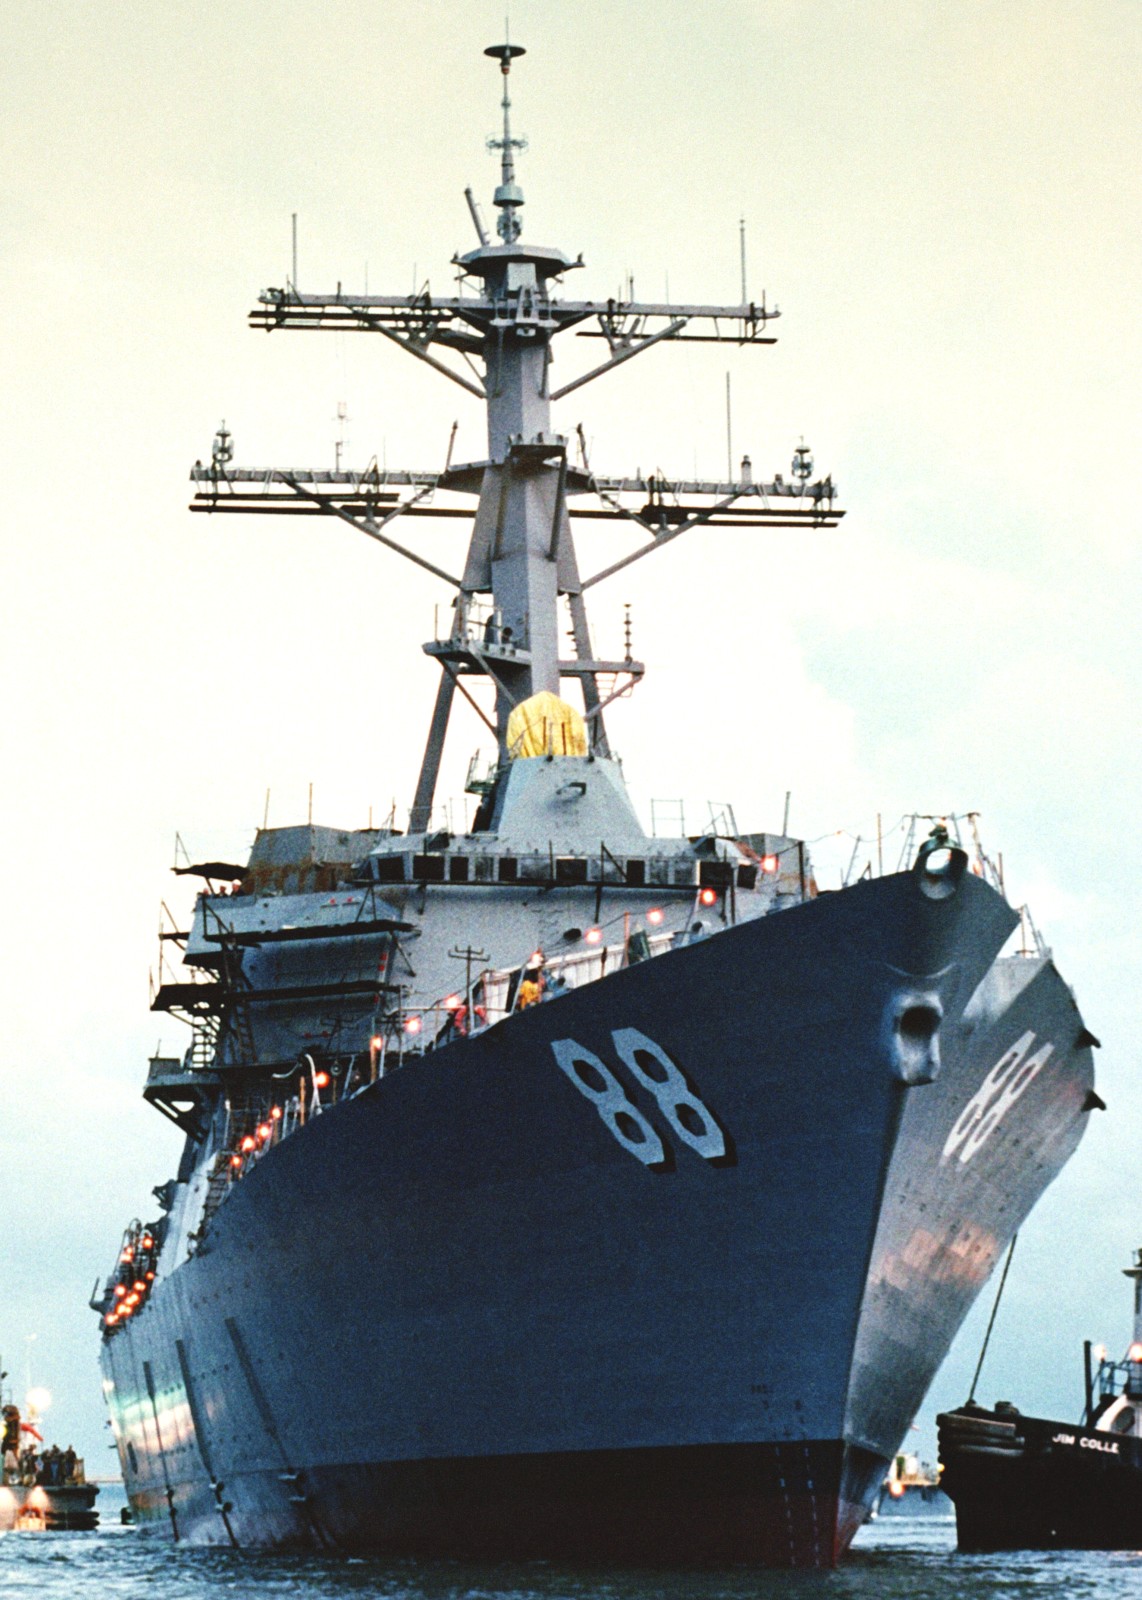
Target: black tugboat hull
{"points": [[1026, 1483], [454, 1314]]}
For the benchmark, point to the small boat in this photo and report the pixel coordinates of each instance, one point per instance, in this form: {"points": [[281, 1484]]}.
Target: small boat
{"points": [[43, 1491], [1028, 1483], [911, 1489]]}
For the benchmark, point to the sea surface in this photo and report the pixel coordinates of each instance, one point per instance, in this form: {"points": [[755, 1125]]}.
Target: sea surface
{"points": [[898, 1558]]}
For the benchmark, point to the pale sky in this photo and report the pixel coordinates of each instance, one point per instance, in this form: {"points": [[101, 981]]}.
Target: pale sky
{"points": [[943, 201]]}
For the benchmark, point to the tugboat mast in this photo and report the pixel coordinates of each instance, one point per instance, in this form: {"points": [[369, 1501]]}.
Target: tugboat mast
{"points": [[521, 558]]}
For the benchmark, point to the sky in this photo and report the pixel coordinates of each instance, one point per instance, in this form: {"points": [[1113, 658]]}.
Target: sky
{"points": [[943, 203]]}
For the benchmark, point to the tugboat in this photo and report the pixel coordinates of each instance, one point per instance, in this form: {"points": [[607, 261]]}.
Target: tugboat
{"points": [[1026, 1483], [551, 1186]]}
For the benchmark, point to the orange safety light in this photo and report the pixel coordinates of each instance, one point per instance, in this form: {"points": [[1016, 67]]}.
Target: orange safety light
{"points": [[150, 1277], [1134, 1353], [769, 863], [139, 1286], [655, 916], [248, 1143], [132, 1300], [896, 1488], [148, 1242], [235, 1161], [594, 935], [708, 896], [265, 1129], [453, 1003], [276, 1113], [321, 1079], [412, 1024], [120, 1289]]}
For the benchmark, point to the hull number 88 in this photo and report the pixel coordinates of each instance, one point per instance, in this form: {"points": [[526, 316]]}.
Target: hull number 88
{"points": [[688, 1119]]}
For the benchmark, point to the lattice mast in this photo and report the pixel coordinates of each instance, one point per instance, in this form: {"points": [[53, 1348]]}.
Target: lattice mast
{"points": [[521, 557]]}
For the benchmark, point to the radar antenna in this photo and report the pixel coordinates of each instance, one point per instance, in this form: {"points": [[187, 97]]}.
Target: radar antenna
{"points": [[509, 196]]}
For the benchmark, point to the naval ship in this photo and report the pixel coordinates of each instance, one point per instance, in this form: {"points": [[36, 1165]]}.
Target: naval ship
{"points": [[552, 1188]]}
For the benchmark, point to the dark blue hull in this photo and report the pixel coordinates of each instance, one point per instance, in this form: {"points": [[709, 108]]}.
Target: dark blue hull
{"points": [[460, 1312]]}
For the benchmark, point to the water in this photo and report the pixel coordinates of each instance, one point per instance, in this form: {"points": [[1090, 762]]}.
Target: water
{"points": [[897, 1559]]}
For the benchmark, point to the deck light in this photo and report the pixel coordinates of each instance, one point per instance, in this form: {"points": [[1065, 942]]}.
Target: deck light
{"points": [[452, 1003], [708, 896], [235, 1161], [769, 863], [265, 1129], [1134, 1353], [276, 1113], [412, 1024], [321, 1079], [594, 936], [248, 1143], [120, 1289], [655, 916]]}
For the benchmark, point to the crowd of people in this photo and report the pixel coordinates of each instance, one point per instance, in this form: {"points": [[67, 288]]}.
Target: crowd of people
{"points": [[52, 1468]]}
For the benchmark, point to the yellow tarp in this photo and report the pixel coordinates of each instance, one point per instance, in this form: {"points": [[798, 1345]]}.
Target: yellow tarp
{"points": [[546, 725]]}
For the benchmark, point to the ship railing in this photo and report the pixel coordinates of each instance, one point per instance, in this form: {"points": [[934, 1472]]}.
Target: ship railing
{"points": [[980, 863], [1119, 1377], [497, 993], [129, 1286], [482, 775], [248, 1132], [478, 626], [1031, 941], [251, 1126]]}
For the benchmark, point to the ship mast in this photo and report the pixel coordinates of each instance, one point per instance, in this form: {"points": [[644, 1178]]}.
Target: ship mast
{"points": [[521, 556]]}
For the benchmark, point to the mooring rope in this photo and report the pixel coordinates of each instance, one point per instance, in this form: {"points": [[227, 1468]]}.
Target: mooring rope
{"points": [[991, 1320]]}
